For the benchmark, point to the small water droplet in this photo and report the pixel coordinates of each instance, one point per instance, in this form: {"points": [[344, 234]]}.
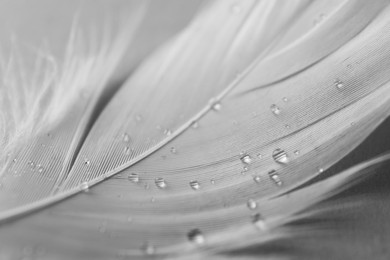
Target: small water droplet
{"points": [[133, 177], [321, 170], [352, 123], [84, 186], [148, 249], [246, 159], [14, 160], [127, 150], [275, 109], [285, 99], [195, 185], [257, 179], [235, 9], [87, 162], [40, 168], [296, 152], [339, 84], [212, 181], [160, 183], [260, 156], [287, 126], [196, 236], [275, 178], [167, 132], [125, 137], [280, 156], [259, 222], [195, 124], [217, 106], [251, 204], [173, 150]]}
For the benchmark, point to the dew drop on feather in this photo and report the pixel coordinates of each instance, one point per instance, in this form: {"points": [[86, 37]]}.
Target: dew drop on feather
{"points": [[275, 109], [251, 204], [133, 177], [280, 156], [274, 176], [195, 185], [196, 236], [246, 159], [160, 183]]}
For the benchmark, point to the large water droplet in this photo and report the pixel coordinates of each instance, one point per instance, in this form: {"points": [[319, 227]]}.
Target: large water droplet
{"points": [[126, 137], [84, 186], [280, 156], [275, 109], [196, 236], [246, 159], [195, 185], [251, 204], [259, 222], [275, 178], [160, 183], [133, 177]]}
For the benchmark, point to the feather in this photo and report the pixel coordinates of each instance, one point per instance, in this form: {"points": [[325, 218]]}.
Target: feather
{"points": [[209, 141]]}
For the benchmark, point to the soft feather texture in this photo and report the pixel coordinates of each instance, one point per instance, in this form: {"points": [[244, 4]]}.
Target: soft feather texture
{"points": [[194, 132]]}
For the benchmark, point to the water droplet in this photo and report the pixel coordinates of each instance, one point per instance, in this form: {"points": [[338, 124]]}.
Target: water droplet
{"points": [[217, 106], [14, 160], [84, 186], [339, 84], [275, 109], [173, 150], [40, 168], [287, 126], [280, 156], [296, 152], [260, 156], [235, 9], [32, 164], [244, 169], [127, 150], [148, 249], [196, 236], [195, 124], [212, 181], [195, 185], [285, 99], [275, 178], [257, 179], [160, 183], [133, 177], [246, 159], [125, 137], [167, 132], [259, 222], [251, 204], [87, 162], [321, 170]]}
